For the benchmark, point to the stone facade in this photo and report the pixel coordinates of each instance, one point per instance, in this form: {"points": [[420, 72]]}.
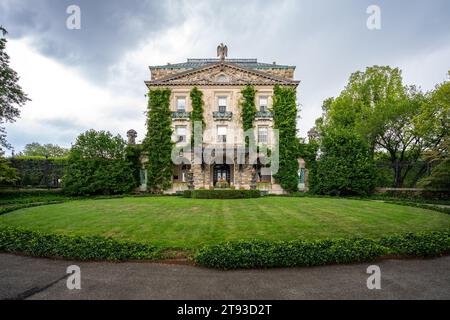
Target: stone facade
{"points": [[221, 82]]}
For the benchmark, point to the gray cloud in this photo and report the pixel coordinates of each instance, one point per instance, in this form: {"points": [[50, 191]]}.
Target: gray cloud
{"points": [[327, 40], [108, 28]]}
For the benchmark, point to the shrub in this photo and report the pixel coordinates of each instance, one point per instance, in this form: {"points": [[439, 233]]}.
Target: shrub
{"points": [[222, 194], [270, 254], [73, 247], [345, 166], [38, 171], [97, 164], [422, 244]]}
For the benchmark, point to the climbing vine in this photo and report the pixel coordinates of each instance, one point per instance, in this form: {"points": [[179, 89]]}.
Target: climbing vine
{"points": [[158, 142], [197, 109], [248, 108], [285, 120]]}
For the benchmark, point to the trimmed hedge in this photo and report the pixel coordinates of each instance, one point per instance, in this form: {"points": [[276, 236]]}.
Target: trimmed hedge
{"points": [[267, 254], [73, 247], [222, 194]]}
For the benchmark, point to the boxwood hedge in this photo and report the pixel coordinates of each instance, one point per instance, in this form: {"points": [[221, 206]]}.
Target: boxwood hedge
{"points": [[269, 254], [222, 194], [35, 243]]}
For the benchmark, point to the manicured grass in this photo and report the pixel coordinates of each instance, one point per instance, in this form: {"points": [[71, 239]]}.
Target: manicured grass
{"points": [[189, 223]]}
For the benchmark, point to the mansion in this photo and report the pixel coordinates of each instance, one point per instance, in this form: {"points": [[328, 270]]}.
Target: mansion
{"points": [[221, 81]]}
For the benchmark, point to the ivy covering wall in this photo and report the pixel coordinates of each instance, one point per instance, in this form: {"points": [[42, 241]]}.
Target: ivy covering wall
{"points": [[158, 142], [248, 108], [285, 120], [197, 109]]}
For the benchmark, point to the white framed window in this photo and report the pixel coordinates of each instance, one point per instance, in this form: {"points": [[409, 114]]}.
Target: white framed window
{"points": [[181, 132], [263, 104], [222, 102], [181, 104], [222, 133], [263, 134]]}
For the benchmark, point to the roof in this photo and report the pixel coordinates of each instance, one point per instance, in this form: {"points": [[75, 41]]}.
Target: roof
{"points": [[243, 63]]}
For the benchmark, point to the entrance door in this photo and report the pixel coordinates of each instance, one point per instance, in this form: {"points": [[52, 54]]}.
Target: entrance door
{"points": [[221, 172]]}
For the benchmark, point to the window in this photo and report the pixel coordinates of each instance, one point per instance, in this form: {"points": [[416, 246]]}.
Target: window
{"points": [[180, 133], [222, 133], [181, 104], [263, 134], [263, 104], [222, 104]]}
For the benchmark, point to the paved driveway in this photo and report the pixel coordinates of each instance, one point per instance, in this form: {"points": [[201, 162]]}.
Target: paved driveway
{"points": [[33, 278]]}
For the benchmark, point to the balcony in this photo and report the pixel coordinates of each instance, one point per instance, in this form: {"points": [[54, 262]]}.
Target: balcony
{"points": [[181, 115], [226, 115], [264, 115]]}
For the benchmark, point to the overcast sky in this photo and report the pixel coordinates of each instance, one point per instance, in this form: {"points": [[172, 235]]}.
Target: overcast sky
{"points": [[94, 77]]}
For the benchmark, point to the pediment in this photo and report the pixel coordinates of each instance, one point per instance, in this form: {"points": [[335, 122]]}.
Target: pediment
{"points": [[222, 74]]}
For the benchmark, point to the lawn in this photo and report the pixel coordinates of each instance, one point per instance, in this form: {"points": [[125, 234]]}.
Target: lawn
{"points": [[188, 223]]}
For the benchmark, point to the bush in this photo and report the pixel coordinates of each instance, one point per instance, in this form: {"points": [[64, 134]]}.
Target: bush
{"points": [[269, 254], [98, 165], [73, 247], [422, 244], [222, 194], [345, 166], [38, 171]]}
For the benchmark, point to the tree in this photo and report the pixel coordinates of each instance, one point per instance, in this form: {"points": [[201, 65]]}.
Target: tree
{"points": [[158, 142], [35, 149], [97, 164], [439, 178], [378, 107], [8, 175], [345, 166], [285, 120], [11, 94]]}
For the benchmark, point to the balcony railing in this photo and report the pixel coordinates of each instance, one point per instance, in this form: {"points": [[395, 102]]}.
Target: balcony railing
{"points": [[181, 115], [264, 114], [227, 115]]}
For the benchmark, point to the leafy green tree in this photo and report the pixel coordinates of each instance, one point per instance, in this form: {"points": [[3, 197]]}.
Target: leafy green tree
{"points": [[8, 175], [433, 123], [35, 149], [158, 142], [97, 164], [285, 120], [378, 107], [439, 178], [11, 94], [345, 166]]}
